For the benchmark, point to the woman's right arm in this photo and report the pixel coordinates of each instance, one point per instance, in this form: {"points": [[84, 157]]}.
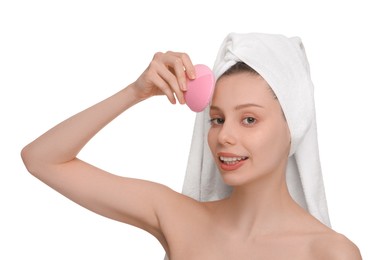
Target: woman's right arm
{"points": [[52, 157]]}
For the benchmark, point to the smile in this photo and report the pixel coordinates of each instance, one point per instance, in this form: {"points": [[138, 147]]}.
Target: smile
{"points": [[232, 160]]}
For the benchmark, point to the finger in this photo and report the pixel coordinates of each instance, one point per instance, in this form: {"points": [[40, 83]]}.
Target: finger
{"points": [[176, 66], [173, 81], [183, 67], [186, 62], [179, 72], [164, 88], [188, 65]]}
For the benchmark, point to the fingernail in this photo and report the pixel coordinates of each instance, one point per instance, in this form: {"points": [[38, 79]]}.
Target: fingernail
{"points": [[183, 86]]}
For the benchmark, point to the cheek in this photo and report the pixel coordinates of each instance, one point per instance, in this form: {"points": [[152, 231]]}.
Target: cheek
{"points": [[278, 143], [261, 146], [212, 135], [266, 159], [269, 147], [283, 140]]}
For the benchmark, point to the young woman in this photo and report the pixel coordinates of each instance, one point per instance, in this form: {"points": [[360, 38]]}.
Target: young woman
{"points": [[250, 140]]}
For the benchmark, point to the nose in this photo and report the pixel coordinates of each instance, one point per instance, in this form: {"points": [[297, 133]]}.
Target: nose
{"points": [[227, 134]]}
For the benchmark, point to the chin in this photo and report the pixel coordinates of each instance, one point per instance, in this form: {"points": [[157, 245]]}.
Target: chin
{"points": [[234, 178]]}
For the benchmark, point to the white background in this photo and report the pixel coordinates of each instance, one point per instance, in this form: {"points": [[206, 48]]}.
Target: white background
{"points": [[59, 57]]}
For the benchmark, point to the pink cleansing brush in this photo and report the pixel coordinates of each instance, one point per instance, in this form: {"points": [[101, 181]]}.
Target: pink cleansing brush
{"points": [[199, 91]]}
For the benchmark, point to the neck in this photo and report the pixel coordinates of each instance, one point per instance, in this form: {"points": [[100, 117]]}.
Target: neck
{"points": [[263, 206]]}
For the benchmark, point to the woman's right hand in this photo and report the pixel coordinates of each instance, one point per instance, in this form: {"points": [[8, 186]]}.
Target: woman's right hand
{"points": [[166, 74]]}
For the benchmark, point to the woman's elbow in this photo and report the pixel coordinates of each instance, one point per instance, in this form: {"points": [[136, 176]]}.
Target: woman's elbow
{"points": [[30, 159]]}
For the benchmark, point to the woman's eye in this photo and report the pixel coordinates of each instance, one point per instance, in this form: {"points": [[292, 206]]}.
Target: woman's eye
{"points": [[249, 121], [216, 121]]}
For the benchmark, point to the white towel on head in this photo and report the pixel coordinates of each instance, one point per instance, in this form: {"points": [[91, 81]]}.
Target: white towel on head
{"points": [[282, 62]]}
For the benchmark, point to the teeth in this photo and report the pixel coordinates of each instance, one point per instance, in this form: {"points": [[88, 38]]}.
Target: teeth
{"points": [[231, 160]]}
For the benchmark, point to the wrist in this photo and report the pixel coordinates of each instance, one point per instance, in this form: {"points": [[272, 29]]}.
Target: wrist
{"points": [[133, 95]]}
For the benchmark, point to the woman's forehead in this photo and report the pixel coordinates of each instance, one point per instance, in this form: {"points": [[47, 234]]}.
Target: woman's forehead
{"points": [[242, 87]]}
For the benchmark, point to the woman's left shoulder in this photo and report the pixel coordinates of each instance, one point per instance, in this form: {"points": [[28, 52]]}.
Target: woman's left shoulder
{"points": [[333, 245]]}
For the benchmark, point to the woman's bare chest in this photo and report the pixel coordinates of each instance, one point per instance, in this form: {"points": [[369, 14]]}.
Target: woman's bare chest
{"points": [[210, 246]]}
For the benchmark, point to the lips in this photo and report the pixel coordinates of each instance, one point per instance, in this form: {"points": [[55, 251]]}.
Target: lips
{"points": [[230, 162]]}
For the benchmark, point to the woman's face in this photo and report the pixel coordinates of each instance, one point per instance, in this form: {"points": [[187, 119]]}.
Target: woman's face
{"points": [[249, 137]]}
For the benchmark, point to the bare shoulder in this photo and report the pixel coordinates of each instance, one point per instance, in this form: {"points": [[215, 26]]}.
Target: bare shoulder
{"points": [[332, 245]]}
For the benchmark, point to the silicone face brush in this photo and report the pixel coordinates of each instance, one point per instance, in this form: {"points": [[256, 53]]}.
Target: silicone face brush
{"points": [[199, 91]]}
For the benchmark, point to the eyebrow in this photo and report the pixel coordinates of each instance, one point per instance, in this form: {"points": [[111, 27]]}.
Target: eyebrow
{"points": [[238, 107]]}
